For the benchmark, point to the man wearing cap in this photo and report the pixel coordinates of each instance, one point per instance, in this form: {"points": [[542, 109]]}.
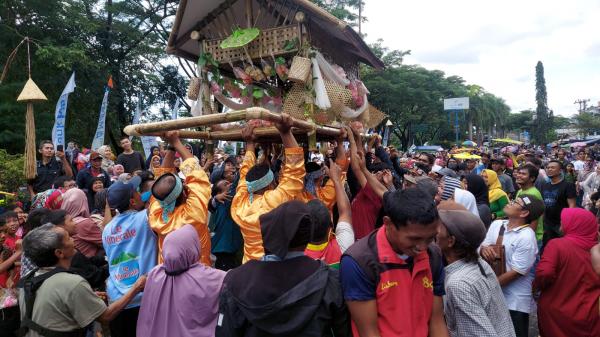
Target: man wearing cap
{"points": [[176, 202], [131, 251], [86, 176], [521, 249], [473, 304], [256, 193]]}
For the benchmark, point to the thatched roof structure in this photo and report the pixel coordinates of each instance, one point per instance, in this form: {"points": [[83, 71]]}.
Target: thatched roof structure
{"points": [[214, 19]]}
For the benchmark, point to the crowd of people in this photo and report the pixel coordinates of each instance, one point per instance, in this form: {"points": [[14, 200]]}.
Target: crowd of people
{"points": [[353, 239]]}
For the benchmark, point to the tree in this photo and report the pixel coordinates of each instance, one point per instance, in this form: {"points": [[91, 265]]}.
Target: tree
{"points": [[94, 38], [543, 116], [343, 9], [587, 123]]}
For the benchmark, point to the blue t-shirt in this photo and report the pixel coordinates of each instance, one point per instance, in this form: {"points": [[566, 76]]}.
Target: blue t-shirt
{"points": [[357, 286], [131, 250]]}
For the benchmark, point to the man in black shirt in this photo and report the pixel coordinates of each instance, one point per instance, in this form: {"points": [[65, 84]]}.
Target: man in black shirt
{"points": [[131, 160], [48, 168], [557, 194]]}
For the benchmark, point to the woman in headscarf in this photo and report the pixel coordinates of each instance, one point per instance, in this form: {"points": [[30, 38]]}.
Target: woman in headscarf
{"points": [[154, 151], [257, 301], [477, 186], [181, 297], [498, 198], [451, 189], [89, 236], [108, 158], [590, 185], [154, 163], [568, 305]]}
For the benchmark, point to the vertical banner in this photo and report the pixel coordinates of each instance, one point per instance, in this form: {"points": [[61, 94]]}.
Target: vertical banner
{"points": [[175, 110], [60, 114], [148, 142], [101, 129], [386, 135], [138, 112]]}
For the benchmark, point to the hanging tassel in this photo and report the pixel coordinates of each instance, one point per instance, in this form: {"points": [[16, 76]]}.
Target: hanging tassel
{"points": [[321, 98], [30, 168]]}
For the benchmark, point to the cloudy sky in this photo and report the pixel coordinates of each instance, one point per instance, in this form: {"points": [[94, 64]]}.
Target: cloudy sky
{"points": [[497, 44]]}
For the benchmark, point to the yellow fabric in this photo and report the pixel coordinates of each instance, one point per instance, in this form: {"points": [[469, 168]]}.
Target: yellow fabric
{"points": [[193, 212], [327, 193], [246, 215], [495, 188], [159, 171]]}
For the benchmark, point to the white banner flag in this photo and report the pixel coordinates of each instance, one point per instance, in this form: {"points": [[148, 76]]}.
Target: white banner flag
{"points": [[148, 142], [60, 114], [175, 110], [101, 129], [138, 112]]}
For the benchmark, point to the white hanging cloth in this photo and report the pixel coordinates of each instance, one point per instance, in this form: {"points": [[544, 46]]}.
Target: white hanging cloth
{"points": [[321, 98]]}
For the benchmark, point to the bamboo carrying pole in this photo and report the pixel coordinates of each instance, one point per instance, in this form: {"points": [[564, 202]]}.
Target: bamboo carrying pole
{"points": [[300, 127]]}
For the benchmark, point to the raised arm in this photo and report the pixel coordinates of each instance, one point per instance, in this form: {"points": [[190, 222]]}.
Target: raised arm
{"points": [[343, 204], [377, 187], [360, 177]]}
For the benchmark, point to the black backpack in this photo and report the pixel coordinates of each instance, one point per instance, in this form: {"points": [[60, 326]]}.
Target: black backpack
{"points": [[30, 285]]}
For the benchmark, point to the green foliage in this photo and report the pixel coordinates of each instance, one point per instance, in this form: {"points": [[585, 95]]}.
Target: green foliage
{"points": [[94, 38], [587, 122], [543, 116], [11, 171], [345, 10]]}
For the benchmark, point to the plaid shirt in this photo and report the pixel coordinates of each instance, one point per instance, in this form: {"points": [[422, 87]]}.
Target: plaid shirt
{"points": [[27, 266], [474, 303]]}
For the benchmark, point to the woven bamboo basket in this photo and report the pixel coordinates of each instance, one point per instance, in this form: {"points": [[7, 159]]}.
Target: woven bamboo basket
{"points": [[194, 88], [374, 117], [300, 69], [270, 42], [295, 100]]}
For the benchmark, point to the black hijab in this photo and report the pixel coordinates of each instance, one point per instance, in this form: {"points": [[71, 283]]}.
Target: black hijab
{"points": [[477, 186], [287, 226]]}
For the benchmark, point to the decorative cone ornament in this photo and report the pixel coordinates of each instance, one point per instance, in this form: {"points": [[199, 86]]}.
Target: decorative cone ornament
{"points": [[30, 94]]}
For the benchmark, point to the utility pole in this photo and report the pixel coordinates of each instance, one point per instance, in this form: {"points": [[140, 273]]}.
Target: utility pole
{"points": [[582, 104]]}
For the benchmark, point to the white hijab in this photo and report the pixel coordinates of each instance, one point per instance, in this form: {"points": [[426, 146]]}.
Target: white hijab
{"points": [[466, 199]]}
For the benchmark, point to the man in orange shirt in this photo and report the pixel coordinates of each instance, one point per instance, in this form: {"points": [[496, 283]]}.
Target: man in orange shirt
{"points": [[176, 203], [256, 193]]}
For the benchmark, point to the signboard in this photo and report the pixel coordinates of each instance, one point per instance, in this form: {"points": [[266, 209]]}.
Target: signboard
{"points": [[459, 103]]}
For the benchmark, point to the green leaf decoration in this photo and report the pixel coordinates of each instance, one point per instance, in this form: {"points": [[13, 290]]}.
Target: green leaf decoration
{"points": [[280, 60], [291, 44], [240, 38], [258, 93]]}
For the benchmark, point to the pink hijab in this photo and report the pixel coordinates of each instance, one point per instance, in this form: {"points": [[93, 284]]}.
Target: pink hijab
{"points": [[580, 227], [76, 204]]}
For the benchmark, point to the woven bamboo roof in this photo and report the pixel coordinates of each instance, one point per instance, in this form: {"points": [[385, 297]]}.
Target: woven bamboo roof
{"points": [[215, 19]]}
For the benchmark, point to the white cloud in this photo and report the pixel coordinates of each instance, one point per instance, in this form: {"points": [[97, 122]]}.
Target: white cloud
{"points": [[497, 44]]}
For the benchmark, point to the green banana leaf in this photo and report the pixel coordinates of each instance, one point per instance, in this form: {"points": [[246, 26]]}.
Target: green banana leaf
{"points": [[240, 38]]}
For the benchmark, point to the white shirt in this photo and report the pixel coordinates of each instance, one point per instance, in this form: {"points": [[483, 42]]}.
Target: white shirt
{"points": [[579, 165], [521, 250], [344, 235]]}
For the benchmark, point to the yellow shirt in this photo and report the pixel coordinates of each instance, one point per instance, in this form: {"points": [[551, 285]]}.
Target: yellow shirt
{"points": [[326, 193], [193, 212], [246, 215]]}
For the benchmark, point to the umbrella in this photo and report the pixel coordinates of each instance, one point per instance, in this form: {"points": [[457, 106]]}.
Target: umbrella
{"points": [[506, 140], [469, 143], [240, 38], [466, 155]]}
